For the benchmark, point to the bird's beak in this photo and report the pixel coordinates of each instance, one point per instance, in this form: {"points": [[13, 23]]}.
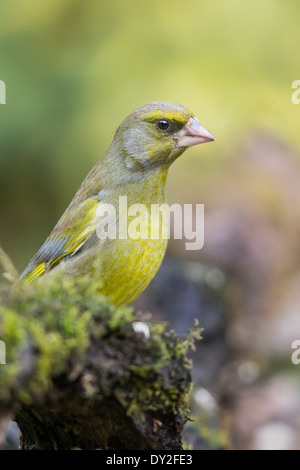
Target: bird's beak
{"points": [[193, 134]]}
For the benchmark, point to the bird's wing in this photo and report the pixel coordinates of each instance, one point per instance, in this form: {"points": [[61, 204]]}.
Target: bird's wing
{"points": [[70, 234]]}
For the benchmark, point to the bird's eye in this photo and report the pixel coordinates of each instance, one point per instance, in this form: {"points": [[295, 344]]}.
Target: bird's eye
{"points": [[163, 124]]}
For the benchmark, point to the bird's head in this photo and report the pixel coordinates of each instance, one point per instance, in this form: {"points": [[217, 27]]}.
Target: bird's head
{"points": [[155, 134]]}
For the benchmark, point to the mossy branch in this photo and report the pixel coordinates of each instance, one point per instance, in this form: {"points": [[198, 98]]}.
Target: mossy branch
{"points": [[81, 374]]}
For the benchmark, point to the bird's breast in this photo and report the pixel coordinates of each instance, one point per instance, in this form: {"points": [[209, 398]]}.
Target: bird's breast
{"points": [[132, 259]]}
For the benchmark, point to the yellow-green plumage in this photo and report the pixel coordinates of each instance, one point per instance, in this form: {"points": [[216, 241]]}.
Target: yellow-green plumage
{"points": [[136, 166]]}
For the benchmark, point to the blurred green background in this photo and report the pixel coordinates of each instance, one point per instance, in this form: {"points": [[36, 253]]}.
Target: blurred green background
{"points": [[73, 70]]}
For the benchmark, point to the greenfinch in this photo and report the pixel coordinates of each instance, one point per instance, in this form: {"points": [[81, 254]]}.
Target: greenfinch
{"points": [[135, 165]]}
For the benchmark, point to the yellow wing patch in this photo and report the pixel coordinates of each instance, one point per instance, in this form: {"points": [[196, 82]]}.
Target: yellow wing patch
{"points": [[38, 271]]}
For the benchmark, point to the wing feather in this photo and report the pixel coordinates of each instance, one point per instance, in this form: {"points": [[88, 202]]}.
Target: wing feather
{"points": [[69, 236]]}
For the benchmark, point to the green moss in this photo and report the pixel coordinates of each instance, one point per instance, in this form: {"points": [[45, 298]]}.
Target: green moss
{"points": [[48, 317], [54, 322], [120, 318]]}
